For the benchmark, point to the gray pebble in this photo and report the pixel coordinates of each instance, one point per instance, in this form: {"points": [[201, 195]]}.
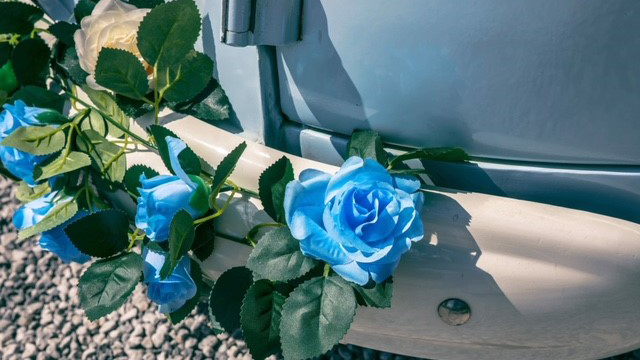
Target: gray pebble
{"points": [[132, 313], [190, 343], [147, 343], [29, 350], [107, 326], [157, 339], [9, 350]]}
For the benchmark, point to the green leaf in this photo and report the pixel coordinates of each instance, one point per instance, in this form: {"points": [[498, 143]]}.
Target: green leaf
{"points": [[367, 144], [62, 212], [30, 61], [52, 117], [204, 240], [101, 234], [132, 177], [145, 4], [224, 170], [133, 108], [39, 97], [108, 158], [379, 296], [64, 31], [107, 104], [36, 140], [260, 316], [271, 186], [226, 297], [189, 161], [203, 291], [168, 32], [214, 324], [70, 64], [94, 122], [186, 79], [83, 8], [211, 104], [61, 164], [437, 154], [316, 316], [8, 80], [122, 72], [18, 17], [181, 235], [277, 257], [108, 283], [5, 52], [26, 193], [159, 247]]}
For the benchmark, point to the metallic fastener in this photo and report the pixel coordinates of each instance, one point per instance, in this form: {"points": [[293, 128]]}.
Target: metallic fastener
{"points": [[454, 312]]}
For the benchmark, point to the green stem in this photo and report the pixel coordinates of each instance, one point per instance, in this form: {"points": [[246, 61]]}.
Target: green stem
{"points": [[156, 97], [327, 270], [219, 212], [67, 149], [37, 30], [117, 155], [110, 120], [134, 238], [254, 230], [75, 99]]}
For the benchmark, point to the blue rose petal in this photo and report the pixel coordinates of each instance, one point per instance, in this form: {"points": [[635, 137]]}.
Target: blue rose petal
{"points": [[360, 220], [54, 240], [19, 163], [173, 292], [162, 196]]}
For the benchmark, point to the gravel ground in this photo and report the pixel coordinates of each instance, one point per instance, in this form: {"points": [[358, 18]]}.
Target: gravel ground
{"points": [[40, 317]]}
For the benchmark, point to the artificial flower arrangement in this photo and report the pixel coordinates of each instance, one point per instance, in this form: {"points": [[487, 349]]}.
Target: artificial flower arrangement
{"points": [[335, 239]]}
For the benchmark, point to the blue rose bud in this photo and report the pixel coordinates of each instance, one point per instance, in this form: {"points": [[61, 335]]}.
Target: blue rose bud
{"points": [[19, 163], [171, 293], [54, 240], [162, 196], [360, 220]]}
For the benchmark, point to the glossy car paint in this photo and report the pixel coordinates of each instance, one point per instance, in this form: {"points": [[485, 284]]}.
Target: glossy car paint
{"points": [[542, 81]]}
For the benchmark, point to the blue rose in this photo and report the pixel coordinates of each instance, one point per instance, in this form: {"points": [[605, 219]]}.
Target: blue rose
{"points": [[162, 196], [54, 240], [172, 292], [19, 163], [360, 220]]}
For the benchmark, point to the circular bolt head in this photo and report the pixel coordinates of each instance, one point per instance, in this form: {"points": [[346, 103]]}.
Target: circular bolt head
{"points": [[454, 312]]}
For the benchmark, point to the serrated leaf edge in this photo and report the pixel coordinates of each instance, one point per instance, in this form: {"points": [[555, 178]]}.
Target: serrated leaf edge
{"points": [[28, 232], [40, 154], [258, 275], [242, 311], [323, 351], [125, 298]]}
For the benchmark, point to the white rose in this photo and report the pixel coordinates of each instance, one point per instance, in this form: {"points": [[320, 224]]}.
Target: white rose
{"points": [[112, 24]]}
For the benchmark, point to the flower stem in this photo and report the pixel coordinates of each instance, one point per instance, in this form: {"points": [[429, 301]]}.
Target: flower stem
{"points": [[254, 230], [76, 100], [134, 238], [327, 270], [219, 212], [156, 104], [109, 119]]}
